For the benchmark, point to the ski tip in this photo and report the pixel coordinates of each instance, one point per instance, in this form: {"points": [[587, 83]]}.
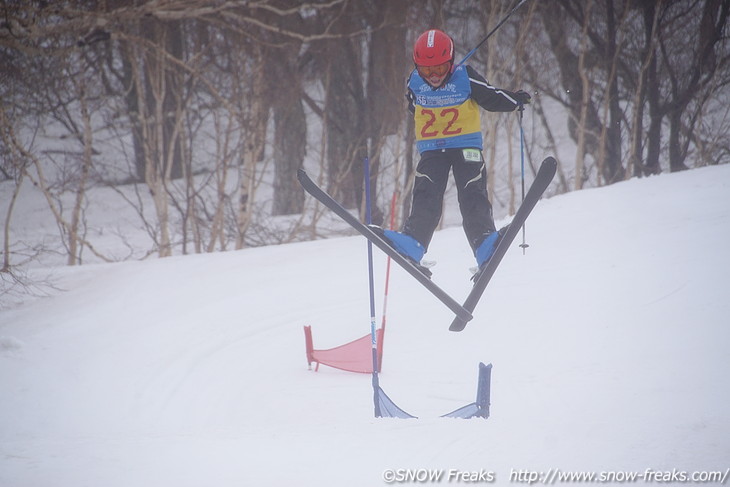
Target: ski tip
{"points": [[549, 163], [302, 174], [457, 325]]}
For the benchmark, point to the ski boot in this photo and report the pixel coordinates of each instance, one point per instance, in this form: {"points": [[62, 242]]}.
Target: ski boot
{"points": [[407, 246], [486, 249]]}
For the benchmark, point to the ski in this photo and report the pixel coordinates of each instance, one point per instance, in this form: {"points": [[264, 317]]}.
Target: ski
{"points": [[542, 181], [462, 315]]}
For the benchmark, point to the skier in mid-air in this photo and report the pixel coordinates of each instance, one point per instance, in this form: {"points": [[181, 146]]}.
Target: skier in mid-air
{"points": [[445, 101]]}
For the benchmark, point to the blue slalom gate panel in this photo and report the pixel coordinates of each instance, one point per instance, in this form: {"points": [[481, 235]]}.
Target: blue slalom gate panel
{"points": [[480, 407]]}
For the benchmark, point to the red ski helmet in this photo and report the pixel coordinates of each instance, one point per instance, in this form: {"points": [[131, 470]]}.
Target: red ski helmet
{"points": [[432, 48]]}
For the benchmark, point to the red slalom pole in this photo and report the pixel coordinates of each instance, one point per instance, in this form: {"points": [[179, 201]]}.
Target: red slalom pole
{"points": [[393, 202]]}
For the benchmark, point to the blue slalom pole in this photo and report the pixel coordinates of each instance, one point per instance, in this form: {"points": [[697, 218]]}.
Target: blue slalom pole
{"points": [[384, 406], [373, 333]]}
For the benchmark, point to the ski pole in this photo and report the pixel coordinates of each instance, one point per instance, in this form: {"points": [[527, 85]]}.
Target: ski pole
{"points": [[499, 24], [521, 110]]}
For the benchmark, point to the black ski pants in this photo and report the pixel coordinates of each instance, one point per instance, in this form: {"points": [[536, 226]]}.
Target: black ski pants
{"points": [[432, 174]]}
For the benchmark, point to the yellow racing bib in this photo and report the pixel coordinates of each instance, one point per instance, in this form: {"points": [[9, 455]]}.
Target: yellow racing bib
{"points": [[442, 122]]}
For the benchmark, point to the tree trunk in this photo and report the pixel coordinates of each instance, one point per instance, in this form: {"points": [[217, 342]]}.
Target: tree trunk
{"points": [[387, 65], [290, 131], [346, 116]]}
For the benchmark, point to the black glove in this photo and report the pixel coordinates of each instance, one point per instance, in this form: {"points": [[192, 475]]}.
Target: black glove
{"points": [[522, 97]]}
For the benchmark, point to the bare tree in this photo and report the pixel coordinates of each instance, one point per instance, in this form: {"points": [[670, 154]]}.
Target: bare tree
{"points": [[691, 67], [387, 66], [170, 104]]}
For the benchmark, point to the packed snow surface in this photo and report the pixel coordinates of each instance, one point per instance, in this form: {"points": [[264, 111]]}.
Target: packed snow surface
{"points": [[608, 338]]}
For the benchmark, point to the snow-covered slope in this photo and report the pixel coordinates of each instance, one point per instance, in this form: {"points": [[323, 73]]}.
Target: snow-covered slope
{"points": [[609, 341]]}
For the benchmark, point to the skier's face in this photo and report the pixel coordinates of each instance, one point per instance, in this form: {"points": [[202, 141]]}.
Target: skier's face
{"points": [[434, 75]]}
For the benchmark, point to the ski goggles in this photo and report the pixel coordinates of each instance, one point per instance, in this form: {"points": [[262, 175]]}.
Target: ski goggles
{"points": [[438, 70]]}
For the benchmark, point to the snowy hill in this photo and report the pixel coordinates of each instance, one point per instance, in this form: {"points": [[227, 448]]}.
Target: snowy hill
{"points": [[609, 341]]}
